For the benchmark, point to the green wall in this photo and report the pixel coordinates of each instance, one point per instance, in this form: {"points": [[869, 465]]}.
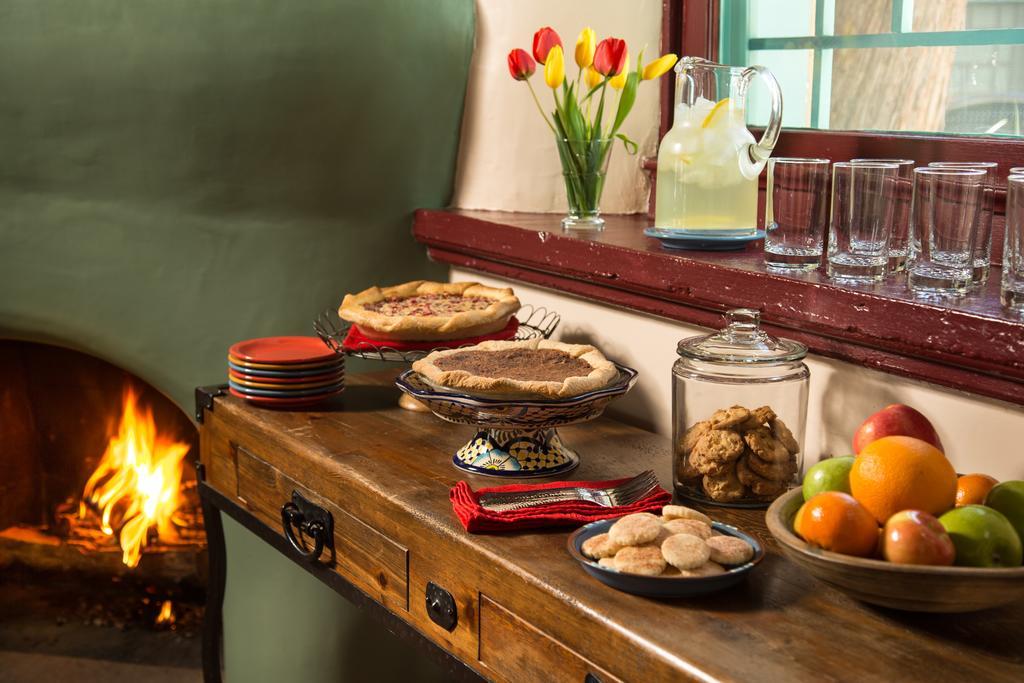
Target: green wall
{"points": [[176, 175]]}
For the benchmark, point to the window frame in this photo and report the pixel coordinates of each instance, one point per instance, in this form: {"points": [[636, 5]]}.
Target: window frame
{"points": [[691, 27]]}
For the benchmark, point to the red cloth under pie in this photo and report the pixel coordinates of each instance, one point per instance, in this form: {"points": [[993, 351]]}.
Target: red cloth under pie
{"points": [[355, 340], [478, 520]]}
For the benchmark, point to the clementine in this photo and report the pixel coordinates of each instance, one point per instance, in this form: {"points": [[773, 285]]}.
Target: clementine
{"points": [[971, 489], [836, 521], [902, 473]]}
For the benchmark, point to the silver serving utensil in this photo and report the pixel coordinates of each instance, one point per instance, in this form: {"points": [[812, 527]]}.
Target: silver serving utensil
{"points": [[625, 493]]}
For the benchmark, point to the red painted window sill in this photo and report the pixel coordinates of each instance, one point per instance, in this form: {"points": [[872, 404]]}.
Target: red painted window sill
{"points": [[970, 345]]}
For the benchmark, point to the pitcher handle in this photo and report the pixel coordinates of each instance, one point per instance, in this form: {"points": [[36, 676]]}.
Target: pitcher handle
{"points": [[762, 149]]}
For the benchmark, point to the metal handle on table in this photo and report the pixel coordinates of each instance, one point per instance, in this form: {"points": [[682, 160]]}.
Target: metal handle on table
{"points": [[311, 520]]}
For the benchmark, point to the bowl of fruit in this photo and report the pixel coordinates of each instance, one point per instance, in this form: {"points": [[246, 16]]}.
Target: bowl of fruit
{"points": [[896, 526]]}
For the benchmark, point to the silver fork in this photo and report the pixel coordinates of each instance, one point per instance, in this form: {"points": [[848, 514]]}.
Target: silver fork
{"points": [[625, 493]]}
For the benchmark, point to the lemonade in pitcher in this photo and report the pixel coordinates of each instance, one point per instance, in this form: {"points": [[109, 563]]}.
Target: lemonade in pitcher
{"points": [[708, 163]]}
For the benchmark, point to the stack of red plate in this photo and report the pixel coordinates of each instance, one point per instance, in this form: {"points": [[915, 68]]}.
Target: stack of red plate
{"points": [[285, 371]]}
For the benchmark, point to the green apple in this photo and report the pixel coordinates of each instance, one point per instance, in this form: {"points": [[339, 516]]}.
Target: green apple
{"points": [[1008, 498], [831, 474], [983, 537]]}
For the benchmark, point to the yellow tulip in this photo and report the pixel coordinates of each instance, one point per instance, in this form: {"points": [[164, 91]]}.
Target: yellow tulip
{"points": [[592, 78], [619, 82], [554, 68], [658, 67], [585, 46]]}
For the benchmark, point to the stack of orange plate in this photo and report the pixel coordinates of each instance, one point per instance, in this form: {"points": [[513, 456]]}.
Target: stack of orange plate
{"points": [[285, 371]]}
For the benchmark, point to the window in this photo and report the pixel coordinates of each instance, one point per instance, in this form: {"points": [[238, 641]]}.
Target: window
{"points": [[930, 66]]}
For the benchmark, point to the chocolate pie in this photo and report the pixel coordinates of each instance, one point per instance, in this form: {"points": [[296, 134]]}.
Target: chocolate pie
{"points": [[429, 311], [532, 368]]}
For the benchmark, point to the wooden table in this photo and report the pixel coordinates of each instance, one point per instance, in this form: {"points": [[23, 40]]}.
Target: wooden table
{"points": [[525, 611]]}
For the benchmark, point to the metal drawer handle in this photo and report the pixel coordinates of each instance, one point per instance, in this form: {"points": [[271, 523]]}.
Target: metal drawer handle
{"points": [[311, 520]]}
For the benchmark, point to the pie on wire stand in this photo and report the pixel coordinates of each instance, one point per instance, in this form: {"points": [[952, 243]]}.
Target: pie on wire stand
{"points": [[516, 438], [534, 323]]}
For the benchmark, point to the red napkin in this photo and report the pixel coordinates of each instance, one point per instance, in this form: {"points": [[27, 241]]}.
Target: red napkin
{"points": [[477, 520], [355, 340]]}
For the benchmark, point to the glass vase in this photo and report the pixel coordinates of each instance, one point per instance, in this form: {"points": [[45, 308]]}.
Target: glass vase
{"points": [[584, 167]]}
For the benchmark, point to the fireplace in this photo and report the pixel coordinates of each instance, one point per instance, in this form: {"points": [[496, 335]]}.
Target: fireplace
{"points": [[100, 524]]}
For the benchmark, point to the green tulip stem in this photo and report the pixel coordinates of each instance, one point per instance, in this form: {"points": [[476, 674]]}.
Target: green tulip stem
{"points": [[536, 101]]}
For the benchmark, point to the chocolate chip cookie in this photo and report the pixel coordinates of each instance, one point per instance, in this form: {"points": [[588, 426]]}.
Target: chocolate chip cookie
{"points": [[724, 487]]}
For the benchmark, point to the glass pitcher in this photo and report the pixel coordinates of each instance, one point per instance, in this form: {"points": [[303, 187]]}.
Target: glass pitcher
{"points": [[708, 162]]}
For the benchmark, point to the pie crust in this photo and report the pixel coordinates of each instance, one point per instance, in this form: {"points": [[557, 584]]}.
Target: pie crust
{"points": [[488, 310], [599, 373]]}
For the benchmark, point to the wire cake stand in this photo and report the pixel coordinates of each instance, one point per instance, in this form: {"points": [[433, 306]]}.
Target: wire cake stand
{"points": [[516, 438], [535, 322]]}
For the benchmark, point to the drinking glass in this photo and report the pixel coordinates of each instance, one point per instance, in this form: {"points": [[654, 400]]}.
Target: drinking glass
{"points": [[1012, 289], [863, 201], [899, 235], [943, 226], [1016, 170], [983, 237], [795, 215]]}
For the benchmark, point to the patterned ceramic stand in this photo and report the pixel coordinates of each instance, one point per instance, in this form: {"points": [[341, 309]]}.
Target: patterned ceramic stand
{"points": [[517, 438], [534, 323]]}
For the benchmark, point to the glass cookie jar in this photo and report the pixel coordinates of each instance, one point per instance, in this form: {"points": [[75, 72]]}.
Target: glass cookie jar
{"points": [[739, 398]]}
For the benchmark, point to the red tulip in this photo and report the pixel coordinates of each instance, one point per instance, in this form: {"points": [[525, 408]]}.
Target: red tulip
{"points": [[521, 64], [610, 56], [543, 41]]}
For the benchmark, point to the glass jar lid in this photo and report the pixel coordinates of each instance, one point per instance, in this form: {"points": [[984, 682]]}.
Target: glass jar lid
{"points": [[742, 341]]}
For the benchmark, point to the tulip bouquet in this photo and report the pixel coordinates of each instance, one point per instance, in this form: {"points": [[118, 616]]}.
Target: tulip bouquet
{"points": [[584, 131]]}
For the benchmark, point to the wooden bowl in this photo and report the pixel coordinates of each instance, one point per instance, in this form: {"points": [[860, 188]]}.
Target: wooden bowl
{"points": [[915, 588]]}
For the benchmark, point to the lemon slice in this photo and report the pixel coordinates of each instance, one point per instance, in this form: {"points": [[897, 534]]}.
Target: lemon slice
{"points": [[721, 104]]}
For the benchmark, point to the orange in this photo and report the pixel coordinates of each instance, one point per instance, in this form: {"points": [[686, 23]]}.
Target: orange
{"points": [[971, 489], [835, 521], [902, 473]]}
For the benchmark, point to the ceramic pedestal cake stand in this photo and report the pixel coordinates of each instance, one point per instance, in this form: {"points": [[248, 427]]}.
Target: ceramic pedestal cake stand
{"points": [[516, 438], [534, 323]]}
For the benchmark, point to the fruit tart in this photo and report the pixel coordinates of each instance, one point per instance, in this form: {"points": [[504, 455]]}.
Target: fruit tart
{"points": [[429, 311], [533, 368]]}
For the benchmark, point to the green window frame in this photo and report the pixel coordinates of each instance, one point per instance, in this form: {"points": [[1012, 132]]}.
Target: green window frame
{"points": [[735, 45]]}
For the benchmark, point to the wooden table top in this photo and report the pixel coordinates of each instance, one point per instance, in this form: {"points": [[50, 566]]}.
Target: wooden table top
{"points": [[780, 624]]}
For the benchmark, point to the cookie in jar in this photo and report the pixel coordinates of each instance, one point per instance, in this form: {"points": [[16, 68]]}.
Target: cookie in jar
{"points": [[737, 454], [740, 404]]}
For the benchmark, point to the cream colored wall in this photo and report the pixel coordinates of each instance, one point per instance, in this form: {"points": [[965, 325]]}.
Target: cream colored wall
{"points": [[507, 159], [980, 435]]}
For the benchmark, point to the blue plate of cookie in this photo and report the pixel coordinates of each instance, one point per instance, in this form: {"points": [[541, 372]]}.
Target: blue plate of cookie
{"points": [[706, 558]]}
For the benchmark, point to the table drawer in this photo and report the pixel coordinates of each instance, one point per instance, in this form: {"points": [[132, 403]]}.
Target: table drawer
{"points": [[514, 650], [361, 554]]}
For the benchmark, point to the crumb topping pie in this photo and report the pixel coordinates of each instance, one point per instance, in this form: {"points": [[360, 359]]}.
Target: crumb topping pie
{"points": [[532, 368], [429, 311]]}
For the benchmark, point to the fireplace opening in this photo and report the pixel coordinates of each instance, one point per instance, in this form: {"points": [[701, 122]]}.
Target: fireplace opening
{"points": [[102, 547]]}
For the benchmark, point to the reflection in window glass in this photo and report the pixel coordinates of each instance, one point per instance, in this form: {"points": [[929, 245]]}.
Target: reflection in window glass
{"points": [[859, 66]]}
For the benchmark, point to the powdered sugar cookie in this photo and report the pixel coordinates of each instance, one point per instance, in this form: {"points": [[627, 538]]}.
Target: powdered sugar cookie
{"points": [[683, 512], [642, 559], [599, 546], [706, 569], [685, 551], [635, 529], [729, 550], [687, 526]]}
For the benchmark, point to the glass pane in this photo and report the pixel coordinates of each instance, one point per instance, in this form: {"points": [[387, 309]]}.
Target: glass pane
{"points": [[764, 20], [956, 15], [859, 17], [794, 71], [968, 89]]}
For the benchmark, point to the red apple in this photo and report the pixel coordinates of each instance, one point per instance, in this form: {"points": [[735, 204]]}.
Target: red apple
{"points": [[895, 420], [916, 537]]}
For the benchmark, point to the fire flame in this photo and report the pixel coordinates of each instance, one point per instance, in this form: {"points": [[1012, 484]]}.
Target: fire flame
{"points": [[166, 615], [136, 484]]}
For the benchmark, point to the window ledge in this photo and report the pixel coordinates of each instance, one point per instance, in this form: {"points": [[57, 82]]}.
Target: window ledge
{"points": [[972, 345]]}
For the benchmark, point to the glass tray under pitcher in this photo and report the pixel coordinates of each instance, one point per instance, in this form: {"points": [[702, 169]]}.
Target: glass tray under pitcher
{"points": [[739, 399]]}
